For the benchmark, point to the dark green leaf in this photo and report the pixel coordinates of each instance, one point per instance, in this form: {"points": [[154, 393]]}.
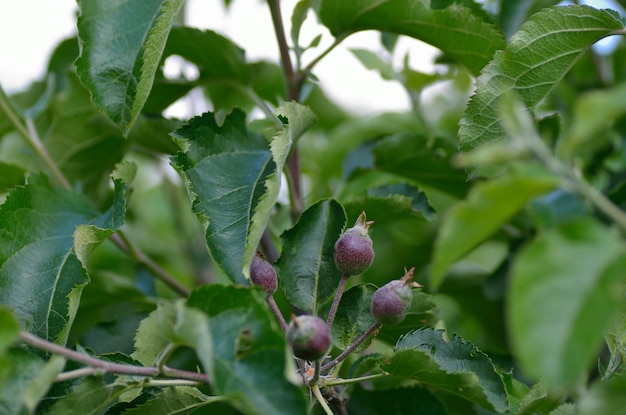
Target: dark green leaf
{"points": [[254, 381], [41, 275], [306, 267], [353, 316], [299, 119], [216, 56], [514, 12], [389, 203], [179, 400], [226, 168], [488, 206], [402, 401], [427, 163], [121, 46], [563, 294], [10, 176], [455, 366], [455, 29], [536, 59], [83, 142]]}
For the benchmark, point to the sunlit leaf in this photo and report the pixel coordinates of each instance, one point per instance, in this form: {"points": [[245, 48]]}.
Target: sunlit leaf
{"points": [[488, 206], [537, 57], [563, 294], [604, 397]]}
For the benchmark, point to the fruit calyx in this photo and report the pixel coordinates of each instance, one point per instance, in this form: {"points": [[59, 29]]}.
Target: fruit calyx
{"points": [[391, 302], [353, 251]]}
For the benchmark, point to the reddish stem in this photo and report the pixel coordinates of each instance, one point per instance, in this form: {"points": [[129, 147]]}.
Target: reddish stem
{"points": [[335, 304]]}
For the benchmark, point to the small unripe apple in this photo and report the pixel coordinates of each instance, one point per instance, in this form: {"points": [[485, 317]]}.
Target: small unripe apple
{"points": [[263, 274], [392, 301], [309, 337], [353, 251]]}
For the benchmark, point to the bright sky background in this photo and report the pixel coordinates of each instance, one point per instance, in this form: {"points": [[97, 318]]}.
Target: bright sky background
{"points": [[29, 30]]}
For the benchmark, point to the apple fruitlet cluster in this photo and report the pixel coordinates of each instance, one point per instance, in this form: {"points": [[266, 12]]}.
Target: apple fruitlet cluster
{"points": [[309, 336]]}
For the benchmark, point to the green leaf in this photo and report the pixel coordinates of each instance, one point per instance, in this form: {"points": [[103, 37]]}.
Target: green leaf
{"points": [[88, 237], [225, 168], [39, 386], [222, 71], [401, 401], [537, 57], [92, 397], [83, 142], [150, 341], [455, 366], [179, 400], [353, 316], [391, 203], [253, 379], [563, 293], [605, 397], [593, 113], [9, 329], [306, 267], [10, 176], [41, 276], [373, 61], [455, 29], [216, 56], [185, 326], [488, 206], [121, 46], [18, 370], [411, 156], [298, 119]]}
